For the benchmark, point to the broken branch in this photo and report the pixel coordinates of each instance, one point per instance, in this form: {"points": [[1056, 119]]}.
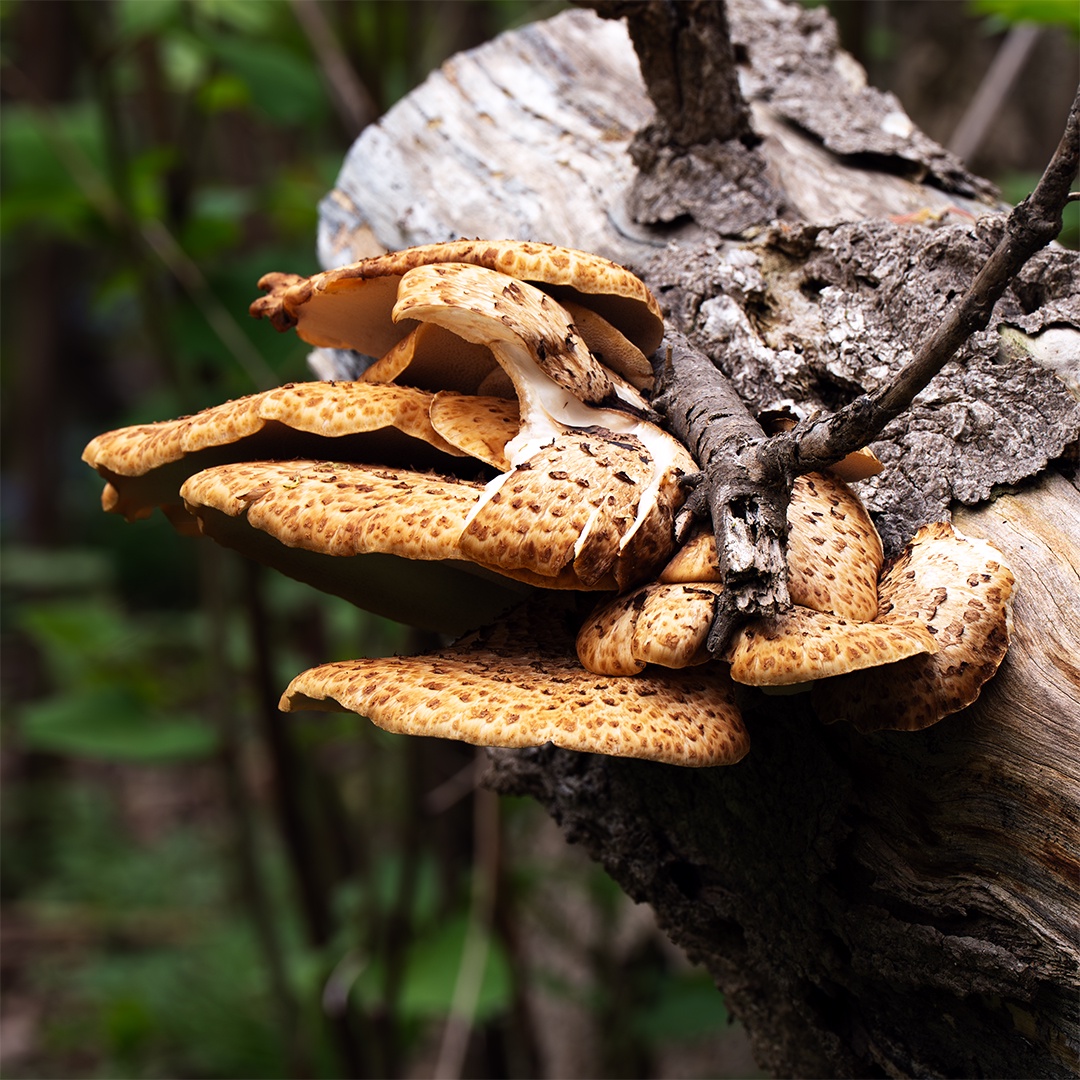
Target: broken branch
{"points": [[746, 477]]}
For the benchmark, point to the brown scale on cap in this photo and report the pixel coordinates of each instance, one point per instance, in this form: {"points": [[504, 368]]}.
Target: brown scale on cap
{"points": [[519, 684], [963, 590], [349, 307]]}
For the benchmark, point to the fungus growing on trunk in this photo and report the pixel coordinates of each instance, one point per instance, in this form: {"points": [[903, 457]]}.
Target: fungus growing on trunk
{"points": [[527, 458]]}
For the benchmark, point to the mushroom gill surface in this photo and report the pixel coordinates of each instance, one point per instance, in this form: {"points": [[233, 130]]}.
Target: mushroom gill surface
{"points": [[349, 307]]}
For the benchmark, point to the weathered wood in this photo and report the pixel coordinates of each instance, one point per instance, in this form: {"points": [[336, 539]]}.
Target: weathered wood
{"points": [[896, 904]]}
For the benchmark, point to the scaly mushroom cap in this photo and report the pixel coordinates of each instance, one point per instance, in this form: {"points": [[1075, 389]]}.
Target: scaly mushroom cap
{"points": [[349, 307], [963, 590], [802, 645], [305, 519], [572, 504], [519, 684], [664, 624], [344, 510], [510, 317], [833, 550], [595, 486], [145, 464], [478, 426]]}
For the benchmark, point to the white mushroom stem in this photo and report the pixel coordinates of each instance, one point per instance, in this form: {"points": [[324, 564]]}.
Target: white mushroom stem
{"points": [[554, 375]]}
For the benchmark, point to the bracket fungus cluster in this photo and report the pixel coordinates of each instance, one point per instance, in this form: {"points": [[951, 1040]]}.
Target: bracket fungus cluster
{"points": [[496, 463]]}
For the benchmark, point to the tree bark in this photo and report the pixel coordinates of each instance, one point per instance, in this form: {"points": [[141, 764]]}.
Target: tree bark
{"points": [[898, 904]]}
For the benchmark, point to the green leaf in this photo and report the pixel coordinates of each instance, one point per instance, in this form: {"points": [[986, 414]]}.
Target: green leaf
{"points": [[38, 151], [141, 18], [284, 86], [431, 972], [242, 15], [689, 1007], [224, 92], [185, 60], [1065, 13], [111, 723]]}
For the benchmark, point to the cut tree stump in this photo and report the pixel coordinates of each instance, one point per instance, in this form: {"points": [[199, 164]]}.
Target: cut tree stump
{"points": [[900, 904]]}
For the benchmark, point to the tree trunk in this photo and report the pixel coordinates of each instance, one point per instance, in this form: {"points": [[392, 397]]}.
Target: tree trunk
{"points": [[897, 904]]}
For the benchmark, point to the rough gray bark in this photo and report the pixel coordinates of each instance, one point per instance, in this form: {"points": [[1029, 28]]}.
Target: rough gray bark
{"points": [[897, 904]]}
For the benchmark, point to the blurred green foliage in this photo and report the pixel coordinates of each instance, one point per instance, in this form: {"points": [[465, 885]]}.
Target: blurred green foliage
{"points": [[193, 886], [1063, 13]]}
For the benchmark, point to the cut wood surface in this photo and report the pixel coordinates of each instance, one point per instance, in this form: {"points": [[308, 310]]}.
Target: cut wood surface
{"points": [[898, 904]]}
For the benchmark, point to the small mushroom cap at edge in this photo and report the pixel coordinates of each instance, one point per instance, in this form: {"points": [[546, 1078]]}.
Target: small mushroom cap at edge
{"points": [[963, 589]]}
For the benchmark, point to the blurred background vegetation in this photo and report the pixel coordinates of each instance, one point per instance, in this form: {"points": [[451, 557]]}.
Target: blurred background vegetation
{"points": [[192, 886]]}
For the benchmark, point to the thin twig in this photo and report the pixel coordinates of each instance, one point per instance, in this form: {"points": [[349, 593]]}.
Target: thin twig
{"points": [[477, 944], [354, 104]]}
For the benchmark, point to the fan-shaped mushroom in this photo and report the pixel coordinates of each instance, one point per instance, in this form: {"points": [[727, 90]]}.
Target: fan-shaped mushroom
{"points": [[963, 590], [624, 468], [518, 683], [144, 465]]}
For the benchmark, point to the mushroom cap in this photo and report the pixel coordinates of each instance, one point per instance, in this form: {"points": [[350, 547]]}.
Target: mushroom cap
{"points": [[345, 510], [962, 588], [349, 307], [575, 504], [492, 309], [664, 624], [519, 684], [383, 540], [478, 426], [801, 645], [145, 464], [833, 550]]}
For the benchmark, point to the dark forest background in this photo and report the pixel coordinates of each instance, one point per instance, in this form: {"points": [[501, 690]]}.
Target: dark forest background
{"points": [[191, 884]]}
